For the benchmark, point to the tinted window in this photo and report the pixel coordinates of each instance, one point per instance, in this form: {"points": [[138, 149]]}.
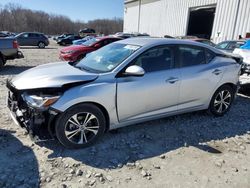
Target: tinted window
{"points": [[105, 42], [209, 56], [26, 35], [34, 35], [222, 45], [234, 45], [156, 59], [190, 56]]}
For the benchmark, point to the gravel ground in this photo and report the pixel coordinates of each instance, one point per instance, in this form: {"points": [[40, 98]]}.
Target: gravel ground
{"points": [[190, 150]]}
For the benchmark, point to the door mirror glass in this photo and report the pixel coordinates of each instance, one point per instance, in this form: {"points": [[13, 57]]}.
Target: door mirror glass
{"points": [[134, 70]]}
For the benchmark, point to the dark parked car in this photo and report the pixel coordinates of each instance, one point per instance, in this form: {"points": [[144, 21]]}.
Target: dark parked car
{"points": [[32, 39], [86, 32], [3, 35], [68, 40], [230, 45], [62, 36]]}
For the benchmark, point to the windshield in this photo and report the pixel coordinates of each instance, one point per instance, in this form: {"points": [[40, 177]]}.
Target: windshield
{"points": [[91, 42], [107, 58]]}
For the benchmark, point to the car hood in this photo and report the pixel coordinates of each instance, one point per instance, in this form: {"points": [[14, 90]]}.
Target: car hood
{"points": [[52, 75], [75, 48]]}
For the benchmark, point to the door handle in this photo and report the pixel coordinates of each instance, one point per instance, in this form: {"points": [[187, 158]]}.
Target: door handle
{"points": [[217, 71], [172, 80]]}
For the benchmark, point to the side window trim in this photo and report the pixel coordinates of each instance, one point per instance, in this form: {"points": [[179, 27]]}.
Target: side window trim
{"points": [[176, 64], [211, 52]]}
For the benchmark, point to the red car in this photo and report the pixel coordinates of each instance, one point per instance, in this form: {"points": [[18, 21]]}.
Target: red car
{"points": [[77, 52]]}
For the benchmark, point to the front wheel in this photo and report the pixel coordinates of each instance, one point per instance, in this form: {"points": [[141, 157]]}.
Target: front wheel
{"points": [[221, 101], [80, 126]]}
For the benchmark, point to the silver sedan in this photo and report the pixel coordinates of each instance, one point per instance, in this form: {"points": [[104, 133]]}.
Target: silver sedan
{"points": [[124, 83]]}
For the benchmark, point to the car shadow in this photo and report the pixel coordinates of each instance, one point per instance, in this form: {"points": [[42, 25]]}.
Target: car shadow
{"points": [[18, 163], [154, 138], [35, 48], [245, 89], [11, 69]]}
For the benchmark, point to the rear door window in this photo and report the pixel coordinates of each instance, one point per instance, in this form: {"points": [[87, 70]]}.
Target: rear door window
{"points": [[222, 45], [234, 45], [191, 55]]}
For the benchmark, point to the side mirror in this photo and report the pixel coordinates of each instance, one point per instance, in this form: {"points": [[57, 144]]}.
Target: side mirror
{"points": [[134, 70], [97, 46]]}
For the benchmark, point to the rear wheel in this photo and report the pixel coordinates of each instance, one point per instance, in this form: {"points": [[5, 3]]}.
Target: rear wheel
{"points": [[80, 126], [41, 45], [222, 100]]}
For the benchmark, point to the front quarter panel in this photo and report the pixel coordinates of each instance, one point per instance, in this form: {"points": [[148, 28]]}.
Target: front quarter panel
{"points": [[103, 93]]}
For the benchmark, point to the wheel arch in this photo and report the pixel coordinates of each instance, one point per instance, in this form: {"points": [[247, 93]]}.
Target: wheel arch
{"points": [[230, 84], [101, 107]]}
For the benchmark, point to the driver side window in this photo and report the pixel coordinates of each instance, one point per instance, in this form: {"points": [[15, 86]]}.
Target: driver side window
{"points": [[156, 59]]}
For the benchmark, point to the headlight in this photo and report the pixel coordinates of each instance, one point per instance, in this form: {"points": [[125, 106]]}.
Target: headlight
{"points": [[41, 102]]}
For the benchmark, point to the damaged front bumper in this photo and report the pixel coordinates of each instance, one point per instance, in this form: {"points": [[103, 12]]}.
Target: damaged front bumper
{"points": [[39, 124]]}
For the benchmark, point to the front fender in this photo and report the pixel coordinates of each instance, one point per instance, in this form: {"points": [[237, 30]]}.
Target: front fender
{"points": [[103, 94]]}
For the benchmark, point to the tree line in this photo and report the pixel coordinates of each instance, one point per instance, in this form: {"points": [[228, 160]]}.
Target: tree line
{"points": [[15, 18]]}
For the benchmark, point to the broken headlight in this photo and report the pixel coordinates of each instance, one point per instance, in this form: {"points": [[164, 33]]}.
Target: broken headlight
{"points": [[41, 102]]}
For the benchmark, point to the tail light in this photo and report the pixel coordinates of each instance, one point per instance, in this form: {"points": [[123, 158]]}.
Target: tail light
{"points": [[15, 44]]}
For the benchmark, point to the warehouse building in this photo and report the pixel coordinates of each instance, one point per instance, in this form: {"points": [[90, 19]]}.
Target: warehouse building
{"points": [[215, 19]]}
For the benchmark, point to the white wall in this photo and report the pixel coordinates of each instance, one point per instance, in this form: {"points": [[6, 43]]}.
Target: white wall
{"points": [[131, 12], [170, 17]]}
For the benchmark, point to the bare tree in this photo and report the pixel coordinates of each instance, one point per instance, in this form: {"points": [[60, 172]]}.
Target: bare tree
{"points": [[14, 18]]}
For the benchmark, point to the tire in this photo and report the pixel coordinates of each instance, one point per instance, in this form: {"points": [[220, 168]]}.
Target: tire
{"points": [[219, 107], [41, 45], [2, 61], [63, 44], [73, 133]]}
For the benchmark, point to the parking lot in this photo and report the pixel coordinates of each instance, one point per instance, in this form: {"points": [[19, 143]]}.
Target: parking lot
{"points": [[190, 150]]}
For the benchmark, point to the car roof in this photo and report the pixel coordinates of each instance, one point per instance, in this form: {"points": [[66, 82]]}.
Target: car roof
{"points": [[108, 37], [199, 39], [234, 41], [150, 41], [32, 32]]}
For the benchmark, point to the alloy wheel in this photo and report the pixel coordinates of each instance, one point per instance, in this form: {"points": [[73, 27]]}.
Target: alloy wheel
{"points": [[222, 101], [41, 45], [81, 128]]}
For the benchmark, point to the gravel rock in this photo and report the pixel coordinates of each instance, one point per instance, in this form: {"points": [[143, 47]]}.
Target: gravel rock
{"points": [[48, 179], [91, 182], [79, 172], [219, 162], [72, 171], [97, 175], [109, 178], [64, 186], [162, 156]]}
